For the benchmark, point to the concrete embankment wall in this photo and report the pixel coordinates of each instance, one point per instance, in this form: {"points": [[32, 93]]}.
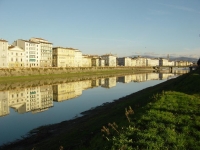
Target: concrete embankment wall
{"points": [[6, 72]]}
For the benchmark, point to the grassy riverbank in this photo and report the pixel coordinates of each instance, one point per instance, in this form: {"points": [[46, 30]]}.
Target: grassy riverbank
{"points": [[165, 116]]}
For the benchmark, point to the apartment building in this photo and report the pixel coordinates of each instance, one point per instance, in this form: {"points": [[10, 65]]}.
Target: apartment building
{"points": [[139, 61], [124, 61], [163, 62], [77, 58], [101, 62], [16, 57], [86, 61], [152, 62], [95, 61], [45, 51], [32, 52], [110, 60], [63, 57], [3, 53]]}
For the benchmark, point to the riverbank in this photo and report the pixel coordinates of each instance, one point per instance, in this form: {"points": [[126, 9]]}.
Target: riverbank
{"points": [[27, 72], [84, 132]]}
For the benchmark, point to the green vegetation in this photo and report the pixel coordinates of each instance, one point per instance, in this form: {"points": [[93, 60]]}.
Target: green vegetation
{"points": [[166, 116]]}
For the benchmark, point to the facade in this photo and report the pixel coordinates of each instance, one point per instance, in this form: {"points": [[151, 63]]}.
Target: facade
{"points": [[3, 53], [124, 61], [16, 57], [110, 60], [139, 61], [152, 62], [171, 63], [63, 57], [77, 58], [32, 52], [95, 61], [101, 62], [45, 52], [86, 61], [163, 62]]}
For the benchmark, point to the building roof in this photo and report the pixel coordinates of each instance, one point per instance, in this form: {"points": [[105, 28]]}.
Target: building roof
{"points": [[12, 46], [29, 41], [40, 40], [2, 40], [69, 48]]}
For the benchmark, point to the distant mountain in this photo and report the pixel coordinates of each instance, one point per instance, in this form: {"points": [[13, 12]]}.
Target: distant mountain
{"points": [[185, 59], [191, 59]]}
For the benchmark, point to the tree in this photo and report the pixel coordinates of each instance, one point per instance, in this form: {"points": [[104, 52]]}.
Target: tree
{"points": [[198, 62]]}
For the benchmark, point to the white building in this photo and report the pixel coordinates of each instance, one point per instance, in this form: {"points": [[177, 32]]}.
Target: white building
{"points": [[3, 53], [16, 57], [45, 51], [124, 61], [163, 62], [32, 52], [101, 62], [77, 58], [138, 61], [152, 62], [110, 60]]}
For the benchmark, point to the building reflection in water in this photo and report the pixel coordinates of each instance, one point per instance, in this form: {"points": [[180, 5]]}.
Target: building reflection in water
{"points": [[38, 99]]}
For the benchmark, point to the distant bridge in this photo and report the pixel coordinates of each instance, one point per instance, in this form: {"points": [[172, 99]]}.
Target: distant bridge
{"points": [[170, 68]]}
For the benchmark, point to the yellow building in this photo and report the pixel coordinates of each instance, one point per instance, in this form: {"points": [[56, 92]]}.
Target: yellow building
{"points": [[63, 57], [86, 61]]}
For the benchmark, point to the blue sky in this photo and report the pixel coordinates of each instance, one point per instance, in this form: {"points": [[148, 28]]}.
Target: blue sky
{"points": [[122, 27]]}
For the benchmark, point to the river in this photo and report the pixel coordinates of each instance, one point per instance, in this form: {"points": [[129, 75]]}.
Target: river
{"points": [[25, 108]]}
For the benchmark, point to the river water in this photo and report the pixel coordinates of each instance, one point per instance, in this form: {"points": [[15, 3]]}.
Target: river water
{"points": [[25, 108]]}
